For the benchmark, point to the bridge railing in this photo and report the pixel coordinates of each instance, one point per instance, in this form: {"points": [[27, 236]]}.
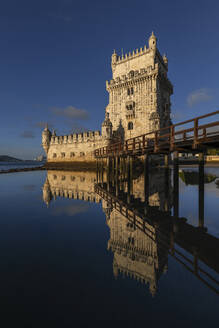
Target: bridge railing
{"points": [[167, 138]]}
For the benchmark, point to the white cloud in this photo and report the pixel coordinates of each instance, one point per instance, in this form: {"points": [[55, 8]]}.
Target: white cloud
{"points": [[198, 96], [70, 112]]}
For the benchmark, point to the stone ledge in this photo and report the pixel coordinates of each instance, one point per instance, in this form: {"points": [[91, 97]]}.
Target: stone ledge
{"points": [[74, 166]]}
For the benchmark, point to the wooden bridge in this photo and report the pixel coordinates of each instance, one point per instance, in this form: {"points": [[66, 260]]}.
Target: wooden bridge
{"points": [[191, 136]]}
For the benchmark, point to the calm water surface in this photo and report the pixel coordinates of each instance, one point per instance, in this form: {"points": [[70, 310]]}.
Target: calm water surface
{"points": [[70, 259]]}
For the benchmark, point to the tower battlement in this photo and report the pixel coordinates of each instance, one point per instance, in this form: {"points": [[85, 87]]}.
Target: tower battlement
{"points": [[90, 136]]}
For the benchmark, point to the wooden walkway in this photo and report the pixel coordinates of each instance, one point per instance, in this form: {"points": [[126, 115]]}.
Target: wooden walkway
{"points": [[194, 135]]}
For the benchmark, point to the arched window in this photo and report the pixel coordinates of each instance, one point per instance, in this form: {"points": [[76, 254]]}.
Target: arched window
{"points": [[132, 91], [72, 154], [128, 92], [62, 155], [54, 155], [130, 126]]}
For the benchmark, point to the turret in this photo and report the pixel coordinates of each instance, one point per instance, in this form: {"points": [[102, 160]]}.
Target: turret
{"points": [[47, 195], [152, 42], [113, 60], [107, 128], [165, 60], [46, 137]]}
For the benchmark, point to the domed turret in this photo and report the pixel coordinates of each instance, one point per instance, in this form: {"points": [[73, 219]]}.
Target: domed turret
{"points": [[165, 60], [46, 137], [47, 195], [113, 60], [107, 128], [152, 41]]}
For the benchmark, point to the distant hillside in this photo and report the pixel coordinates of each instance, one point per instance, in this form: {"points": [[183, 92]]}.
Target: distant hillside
{"points": [[5, 158]]}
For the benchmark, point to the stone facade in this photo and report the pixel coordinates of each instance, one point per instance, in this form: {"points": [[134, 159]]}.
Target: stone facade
{"points": [[139, 102]]}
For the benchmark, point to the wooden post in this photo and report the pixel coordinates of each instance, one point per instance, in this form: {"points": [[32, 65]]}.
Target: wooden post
{"points": [[97, 169], [128, 181], [117, 175], [166, 160], [195, 141], [167, 185], [146, 179], [172, 137], [131, 175], [175, 184], [201, 190], [156, 142], [108, 173], [102, 172]]}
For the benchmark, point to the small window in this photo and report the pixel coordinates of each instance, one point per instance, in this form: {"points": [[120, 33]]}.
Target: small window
{"points": [[82, 154], [54, 155], [54, 177], [72, 154], [72, 178], [128, 92], [130, 126], [63, 177], [62, 155], [132, 91]]}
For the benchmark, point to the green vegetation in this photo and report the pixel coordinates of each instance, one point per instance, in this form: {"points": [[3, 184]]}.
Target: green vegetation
{"points": [[213, 151], [192, 178]]}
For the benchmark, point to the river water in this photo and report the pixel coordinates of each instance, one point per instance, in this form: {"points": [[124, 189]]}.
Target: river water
{"points": [[70, 258]]}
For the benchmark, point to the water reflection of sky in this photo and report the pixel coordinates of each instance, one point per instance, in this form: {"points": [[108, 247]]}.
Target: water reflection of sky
{"points": [[56, 269], [189, 202]]}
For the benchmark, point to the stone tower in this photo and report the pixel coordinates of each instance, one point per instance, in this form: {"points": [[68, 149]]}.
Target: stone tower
{"points": [[46, 137], [139, 91]]}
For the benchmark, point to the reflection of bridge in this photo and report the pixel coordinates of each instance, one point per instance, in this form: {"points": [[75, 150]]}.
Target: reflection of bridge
{"points": [[167, 231], [192, 137]]}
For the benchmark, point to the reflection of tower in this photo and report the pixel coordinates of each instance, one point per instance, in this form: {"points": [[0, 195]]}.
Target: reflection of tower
{"points": [[136, 254], [47, 195], [46, 137], [107, 209]]}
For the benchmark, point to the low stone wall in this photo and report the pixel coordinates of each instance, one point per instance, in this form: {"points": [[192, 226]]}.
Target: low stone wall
{"points": [[70, 165]]}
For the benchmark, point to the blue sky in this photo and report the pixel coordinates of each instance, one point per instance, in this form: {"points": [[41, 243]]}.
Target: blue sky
{"points": [[55, 58]]}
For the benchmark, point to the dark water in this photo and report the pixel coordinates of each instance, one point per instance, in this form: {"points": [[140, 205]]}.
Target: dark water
{"points": [[70, 259]]}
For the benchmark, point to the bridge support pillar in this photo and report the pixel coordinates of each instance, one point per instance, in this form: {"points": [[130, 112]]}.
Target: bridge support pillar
{"points": [[121, 173], [117, 175], [113, 171], [146, 181], [102, 171], [108, 164], [201, 190], [97, 169], [130, 187], [167, 186], [175, 184], [166, 160]]}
